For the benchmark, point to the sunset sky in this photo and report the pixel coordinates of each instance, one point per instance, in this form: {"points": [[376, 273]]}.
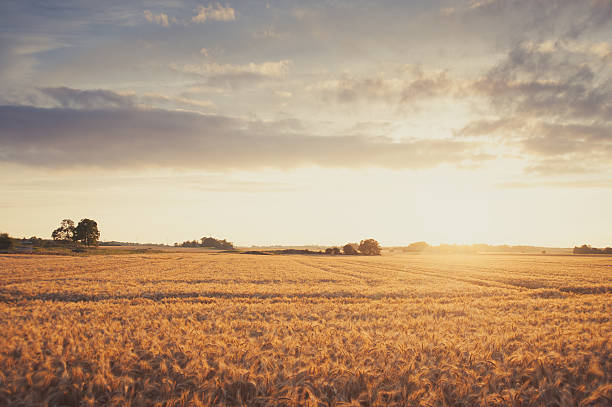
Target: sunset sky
{"points": [[309, 122]]}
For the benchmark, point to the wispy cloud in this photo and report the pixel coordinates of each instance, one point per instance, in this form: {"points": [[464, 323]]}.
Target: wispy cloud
{"points": [[210, 12], [88, 99], [561, 18], [215, 12], [408, 85], [236, 75], [161, 18], [106, 99]]}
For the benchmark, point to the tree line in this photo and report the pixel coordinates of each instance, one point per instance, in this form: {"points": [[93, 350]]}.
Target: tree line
{"points": [[208, 242], [586, 249], [367, 247]]}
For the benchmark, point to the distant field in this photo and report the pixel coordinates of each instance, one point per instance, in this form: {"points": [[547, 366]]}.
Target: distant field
{"points": [[232, 329]]}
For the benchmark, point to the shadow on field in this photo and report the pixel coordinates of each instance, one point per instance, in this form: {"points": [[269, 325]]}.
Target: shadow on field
{"points": [[7, 296], [12, 296]]}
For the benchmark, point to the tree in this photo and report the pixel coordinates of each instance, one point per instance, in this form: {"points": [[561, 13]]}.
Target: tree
{"points": [[65, 232], [87, 232], [417, 247], [586, 249], [369, 247], [6, 242], [216, 243], [350, 249]]}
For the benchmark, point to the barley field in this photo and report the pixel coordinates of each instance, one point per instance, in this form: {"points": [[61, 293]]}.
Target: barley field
{"points": [[177, 329]]}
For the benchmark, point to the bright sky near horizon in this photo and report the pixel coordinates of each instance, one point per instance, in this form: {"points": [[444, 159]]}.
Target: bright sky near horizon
{"points": [[319, 122]]}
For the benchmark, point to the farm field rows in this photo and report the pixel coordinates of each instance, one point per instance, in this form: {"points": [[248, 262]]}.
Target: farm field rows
{"points": [[233, 329]]}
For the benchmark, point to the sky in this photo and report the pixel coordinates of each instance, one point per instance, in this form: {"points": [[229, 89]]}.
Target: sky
{"points": [[319, 122]]}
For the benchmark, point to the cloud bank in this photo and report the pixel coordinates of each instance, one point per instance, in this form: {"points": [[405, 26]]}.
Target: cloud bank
{"points": [[130, 137]]}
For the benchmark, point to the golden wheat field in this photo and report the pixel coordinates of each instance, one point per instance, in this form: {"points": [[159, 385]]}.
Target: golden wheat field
{"points": [[232, 329]]}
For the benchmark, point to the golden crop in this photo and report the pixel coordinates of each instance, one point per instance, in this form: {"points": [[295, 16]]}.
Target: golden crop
{"points": [[232, 329]]}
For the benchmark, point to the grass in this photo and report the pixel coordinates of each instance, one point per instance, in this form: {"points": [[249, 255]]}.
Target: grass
{"points": [[192, 328]]}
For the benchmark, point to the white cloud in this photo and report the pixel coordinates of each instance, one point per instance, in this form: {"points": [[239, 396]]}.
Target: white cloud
{"points": [[161, 18], [265, 69], [215, 12]]}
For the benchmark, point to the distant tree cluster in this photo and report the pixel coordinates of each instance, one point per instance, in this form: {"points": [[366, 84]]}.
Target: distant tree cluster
{"points": [[417, 247], [586, 249], [85, 232], [209, 242], [10, 243], [6, 243], [367, 247], [333, 251], [350, 249]]}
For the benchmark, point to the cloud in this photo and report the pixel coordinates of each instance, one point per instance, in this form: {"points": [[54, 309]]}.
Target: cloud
{"points": [[221, 75], [212, 12], [553, 100], [542, 18], [161, 19], [593, 141], [88, 99], [137, 138], [20, 56], [409, 86], [555, 82], [159, 100], [215, 12], [106, 99], [485, 127]]}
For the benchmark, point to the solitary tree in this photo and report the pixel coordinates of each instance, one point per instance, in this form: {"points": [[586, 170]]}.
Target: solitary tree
{"points": [[369, 247], [87, 232], [349, 249], [65, 232]]}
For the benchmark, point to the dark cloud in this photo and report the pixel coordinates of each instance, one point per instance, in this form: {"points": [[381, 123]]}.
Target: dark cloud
{"points": [[88, 99], [554, 102], [106, 99], [557, 82], [129, 138]]}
